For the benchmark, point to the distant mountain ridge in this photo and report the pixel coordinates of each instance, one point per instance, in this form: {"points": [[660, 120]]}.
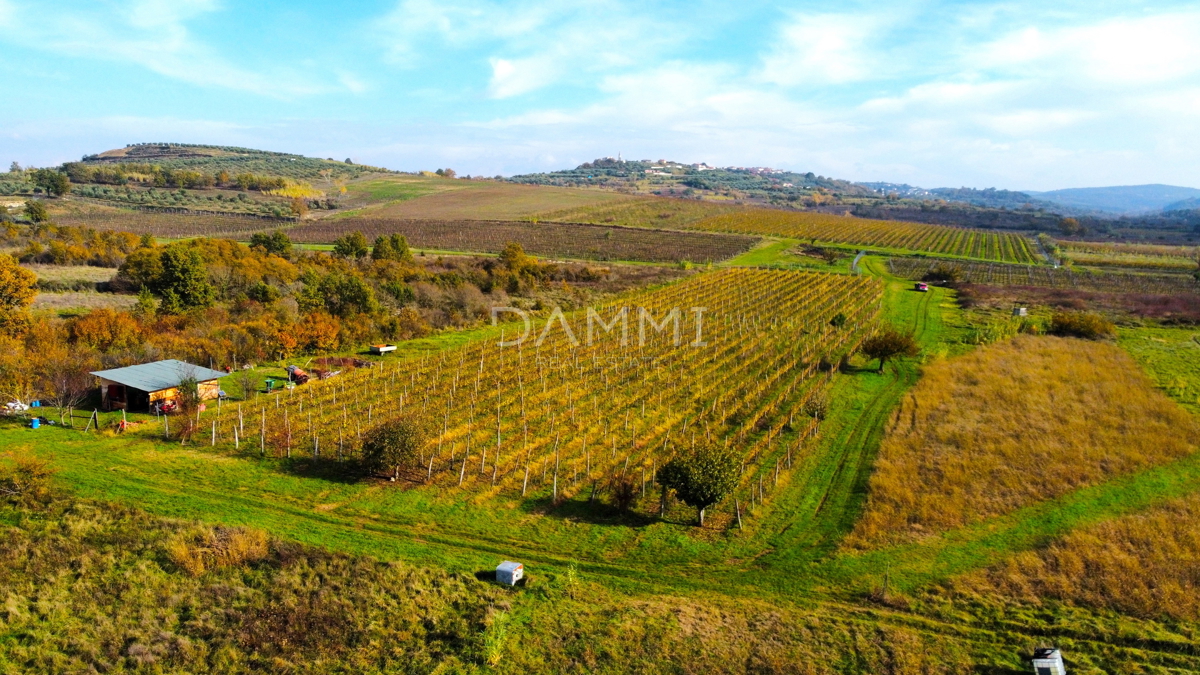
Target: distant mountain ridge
{"points": [[1121, 199]]}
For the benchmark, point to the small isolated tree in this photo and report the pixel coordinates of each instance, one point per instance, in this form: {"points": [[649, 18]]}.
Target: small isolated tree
{"points": [[702, 476], [53, 182], [275, 243], [36, 211], [887, 343], [394, 444], [188, 399], [353, 245]]}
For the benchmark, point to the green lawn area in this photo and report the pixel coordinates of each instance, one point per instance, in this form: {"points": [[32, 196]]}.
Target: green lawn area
{"points": [[1171, 356]]}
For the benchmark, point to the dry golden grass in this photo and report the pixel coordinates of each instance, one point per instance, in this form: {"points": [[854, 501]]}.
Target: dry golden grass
{"points": [[82, 300], [1147, 564], [216, 547], [69, 273], [1012, 424]]}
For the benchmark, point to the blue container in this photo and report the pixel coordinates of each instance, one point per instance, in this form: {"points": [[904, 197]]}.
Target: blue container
{"points": [[35, 423]]}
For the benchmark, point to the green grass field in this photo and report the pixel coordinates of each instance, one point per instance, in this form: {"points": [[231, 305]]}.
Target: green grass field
{"points": [[1171, 356], [787, 556]]}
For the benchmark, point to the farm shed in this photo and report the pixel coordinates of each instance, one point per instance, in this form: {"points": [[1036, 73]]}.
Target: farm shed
{"points": [[141, 386]]}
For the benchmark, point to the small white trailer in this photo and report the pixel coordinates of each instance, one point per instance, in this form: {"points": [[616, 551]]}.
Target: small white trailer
{"points": [[382, 349], [1048, 661], [509, 572]]}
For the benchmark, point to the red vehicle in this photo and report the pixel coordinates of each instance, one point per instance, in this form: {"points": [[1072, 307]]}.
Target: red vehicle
{"points": [[922, 287], [297, 375]]}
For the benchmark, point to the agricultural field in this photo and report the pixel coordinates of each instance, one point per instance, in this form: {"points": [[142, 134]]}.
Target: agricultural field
{"points": [[1013, 424], [437, 198], [780, 585], [557, 240], [1131, 256], [563, 417], [825, 228], [77, 302], [884, 234], [161, 224], [997, 274], [643, 212]]}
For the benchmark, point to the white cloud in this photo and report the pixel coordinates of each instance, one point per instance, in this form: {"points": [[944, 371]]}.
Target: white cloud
{"points": [[823, 49], [154, 34], [1122, 51], [532, 44]]}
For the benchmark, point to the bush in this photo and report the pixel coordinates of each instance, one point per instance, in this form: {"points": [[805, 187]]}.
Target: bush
{"points": [[216, 547], [944, 273], [27, 482], [394, 444], [1087, 325]]}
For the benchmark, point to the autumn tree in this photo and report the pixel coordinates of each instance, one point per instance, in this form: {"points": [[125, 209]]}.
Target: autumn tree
{"points": [[394, 444], [18, 287], [888, 343], [353, 245], [702, 476], [515, 259], [1071, 227]]}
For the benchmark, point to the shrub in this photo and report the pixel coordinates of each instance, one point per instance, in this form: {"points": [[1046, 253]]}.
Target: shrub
{"points": [[216, 547], [394, 444], [1087, 325], [27, 482]]}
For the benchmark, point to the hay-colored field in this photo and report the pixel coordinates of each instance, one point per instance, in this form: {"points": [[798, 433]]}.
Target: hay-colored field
{"points": [[70, 273], [81, 301], [1013, 424], [1146, 564], [423, 197]]}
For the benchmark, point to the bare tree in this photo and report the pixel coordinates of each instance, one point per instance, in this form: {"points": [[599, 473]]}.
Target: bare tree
{"points": [[66, 383]]}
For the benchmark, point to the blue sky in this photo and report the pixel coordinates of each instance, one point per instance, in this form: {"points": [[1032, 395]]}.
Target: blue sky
{"points": [[1021, 95]]}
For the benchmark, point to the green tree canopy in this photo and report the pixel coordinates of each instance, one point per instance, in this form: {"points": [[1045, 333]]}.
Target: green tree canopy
{"points": [[353, 245], [393, 247], [887, 343], [183, 282], [35, 210], [53, 182], [702, 476], [275, 243]]}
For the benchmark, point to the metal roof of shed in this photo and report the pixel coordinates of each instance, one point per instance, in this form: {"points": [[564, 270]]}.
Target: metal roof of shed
{"points": [[158, 375]]}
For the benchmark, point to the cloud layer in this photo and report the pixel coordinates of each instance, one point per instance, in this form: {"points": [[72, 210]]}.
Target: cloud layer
{"points": [[1006, 94]]}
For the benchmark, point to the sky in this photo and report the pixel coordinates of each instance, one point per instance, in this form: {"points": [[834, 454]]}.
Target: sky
{"points": [[1017, 95]]}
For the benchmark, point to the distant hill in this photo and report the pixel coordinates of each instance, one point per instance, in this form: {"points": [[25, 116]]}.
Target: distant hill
{"points": [[1126, 199]]}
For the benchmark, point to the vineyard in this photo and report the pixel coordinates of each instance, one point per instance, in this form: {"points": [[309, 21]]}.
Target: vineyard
{"points": [[169, 225], [996, 274], [594, 408], [887, 234], [593, 242], [1132, 256]]}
